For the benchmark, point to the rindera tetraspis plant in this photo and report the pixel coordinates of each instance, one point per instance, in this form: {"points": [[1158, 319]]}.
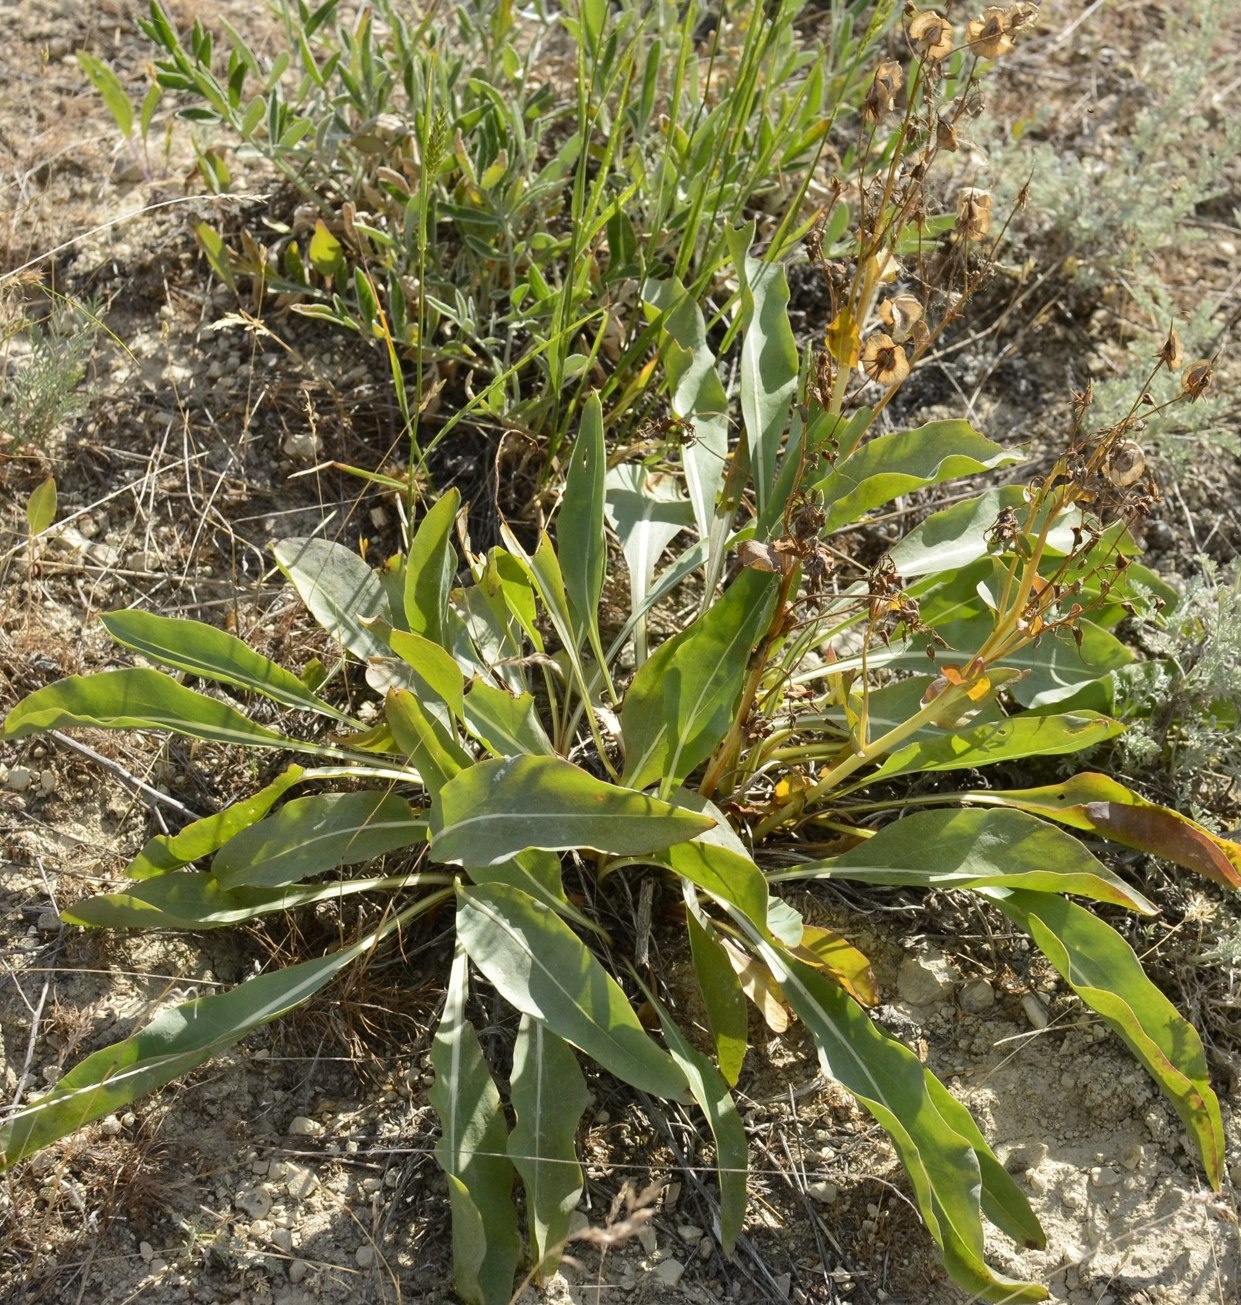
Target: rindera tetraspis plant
{"points": [[796, 703]]}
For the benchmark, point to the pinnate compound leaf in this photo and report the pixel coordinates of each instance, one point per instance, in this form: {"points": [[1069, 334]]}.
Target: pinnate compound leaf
{"points": [[978, 849], [136, 699], [310, 835], [472, 1152], [888, 466], [175, 1042], [727, 1012], [1101, 805], [942, 1163], [430, 568], [549, 1098], [543, 969], [716, 1102], [341, 592], [167, 852], [497, 808], [681, 702], [214, 655], [1003, 740], [1102, 969]]}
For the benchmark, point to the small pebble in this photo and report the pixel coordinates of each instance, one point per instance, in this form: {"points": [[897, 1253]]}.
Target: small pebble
{"points": [[301, 1126], [977, 996], [669, 1272], [111, 1126], [364, 1257], [1035, 1011], [647, 1239], [147, 1251], [254, 1201], [822, 1191], [19, 779], [298, 1270], [1104, 1176], [689, 1232]]}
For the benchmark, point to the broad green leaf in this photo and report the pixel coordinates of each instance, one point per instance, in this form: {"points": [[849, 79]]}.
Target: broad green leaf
{"points": [[716, 1102], [506, 724], [727, 875], [542, 968], [1102, 969], [214, 655], [697, 396], [1100, 805], [197, 900], [41, 505], [437, 676], [537, 874], [681, 702], [175, 1042], [500, 807], [727, 1013], [769, 360], [311, 835], [435, 753], [976, 849], [888, 466], [943, 1165], [430, 568], [1003, 740], [136, 699], [580, 539], [647, 513], [472, 1152], [340, 590], [950, 540], [548, 1096], [167, 852]]}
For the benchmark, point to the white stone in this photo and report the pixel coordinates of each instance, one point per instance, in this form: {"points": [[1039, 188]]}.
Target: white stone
{"points": [[925, 978], [1035, 1011], [254, 1201], [822, 1191], [301, 1126], [669, 1272], [19, 779], [977, 996]]}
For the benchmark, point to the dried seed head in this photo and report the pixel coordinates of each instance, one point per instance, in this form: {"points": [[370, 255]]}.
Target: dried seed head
{"points": [[973, 213], [899, 314], [1126, 464], [888, 83], [1172, 354], [946, 135], [988, 35], [884, 361], [931, 35], [1196, 379]]}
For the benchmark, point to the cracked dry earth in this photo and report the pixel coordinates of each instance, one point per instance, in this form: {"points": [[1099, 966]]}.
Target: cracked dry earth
{"points": [[298, 1169]]}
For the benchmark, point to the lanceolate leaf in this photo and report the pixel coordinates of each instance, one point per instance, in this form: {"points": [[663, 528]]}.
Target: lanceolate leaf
{"points": [[500, 807], [507, 724], [549, 1098], [430, 568], [1102, 969], [472, 1152], [1004, 740], [310, 835], [213, 654], [943, 1165], [434, 752], [680, 703], [437, 677], [727, 875], [581, 542], [697, 395], [977, 849], [537, 873], [769, 361], [1101, 805], [192, 900], [340, 590], [175, 1042], [542, 968], [731, 1150], [136, 699], [826, 950], [167, 852], [727, 1012], [891, 465]]}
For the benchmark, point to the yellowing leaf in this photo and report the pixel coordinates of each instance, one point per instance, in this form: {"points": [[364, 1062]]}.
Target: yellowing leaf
{"points": [[826, 950], [843, 340], [327, 254]]}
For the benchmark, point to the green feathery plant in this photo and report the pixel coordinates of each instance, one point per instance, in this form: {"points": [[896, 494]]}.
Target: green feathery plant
{"points": [[527, 746]]}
